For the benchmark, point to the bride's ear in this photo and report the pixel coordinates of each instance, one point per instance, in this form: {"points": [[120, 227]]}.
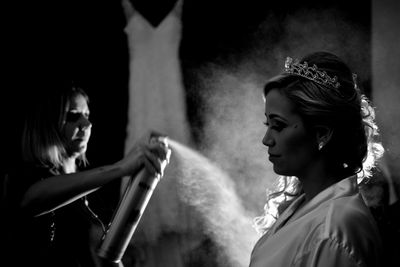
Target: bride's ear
{"points": [[323, 135]]}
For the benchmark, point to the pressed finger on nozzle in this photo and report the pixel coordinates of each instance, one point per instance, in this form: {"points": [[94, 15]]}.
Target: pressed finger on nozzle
{"points": [[159, 138], [159, 145]]}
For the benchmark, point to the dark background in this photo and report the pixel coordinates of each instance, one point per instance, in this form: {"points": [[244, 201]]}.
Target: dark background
{"points": [[48, 41], [85, 40]]}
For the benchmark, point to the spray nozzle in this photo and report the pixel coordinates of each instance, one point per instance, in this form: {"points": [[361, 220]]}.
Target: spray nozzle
{"points": [[163, 141]]}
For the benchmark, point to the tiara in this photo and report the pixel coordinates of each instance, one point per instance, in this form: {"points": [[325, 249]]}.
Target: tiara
{"points": [[311, 73]]}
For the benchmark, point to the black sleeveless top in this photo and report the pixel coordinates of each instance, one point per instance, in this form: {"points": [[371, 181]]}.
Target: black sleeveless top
{"points": [[58, 238]]}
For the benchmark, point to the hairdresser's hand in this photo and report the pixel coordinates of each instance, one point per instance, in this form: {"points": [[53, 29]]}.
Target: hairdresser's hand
{"points": [[160, 149], [150, 151]]}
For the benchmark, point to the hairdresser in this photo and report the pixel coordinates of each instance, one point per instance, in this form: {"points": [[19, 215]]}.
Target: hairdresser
{"points": [[49, 221]]}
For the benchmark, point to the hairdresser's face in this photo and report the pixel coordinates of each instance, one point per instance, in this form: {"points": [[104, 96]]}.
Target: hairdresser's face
{"points": [[77, 127], [291, 148]]}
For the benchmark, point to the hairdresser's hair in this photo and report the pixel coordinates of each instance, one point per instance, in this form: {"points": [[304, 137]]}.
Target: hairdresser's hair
{"points": [[353, 146], [42, 139]]}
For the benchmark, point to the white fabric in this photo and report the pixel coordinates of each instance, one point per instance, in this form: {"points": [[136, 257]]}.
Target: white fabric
{"points": [[156, 93], [335, 228], [157, 102]]}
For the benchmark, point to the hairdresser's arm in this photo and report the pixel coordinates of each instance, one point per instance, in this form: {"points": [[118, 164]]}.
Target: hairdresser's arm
{"points": [[57, 191]]}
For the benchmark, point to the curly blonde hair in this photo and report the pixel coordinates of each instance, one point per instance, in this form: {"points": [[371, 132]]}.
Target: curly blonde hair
{"points": [[354, 145]]}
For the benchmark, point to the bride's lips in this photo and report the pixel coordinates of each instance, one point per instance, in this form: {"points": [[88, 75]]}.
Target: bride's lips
{"points": [[273, 156]]}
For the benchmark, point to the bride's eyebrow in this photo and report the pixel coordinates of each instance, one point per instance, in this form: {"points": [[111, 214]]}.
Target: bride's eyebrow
{"points": [[275, 116]]}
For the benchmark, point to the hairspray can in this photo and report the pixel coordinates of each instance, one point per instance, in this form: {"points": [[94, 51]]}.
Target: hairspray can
{"points": [[127, 216]]}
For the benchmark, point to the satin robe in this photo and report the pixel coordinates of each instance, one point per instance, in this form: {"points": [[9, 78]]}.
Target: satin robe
{"points": [[335, 228]]}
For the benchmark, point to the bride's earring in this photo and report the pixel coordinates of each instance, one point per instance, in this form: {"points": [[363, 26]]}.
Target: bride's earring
{"points": [[320, 145]]}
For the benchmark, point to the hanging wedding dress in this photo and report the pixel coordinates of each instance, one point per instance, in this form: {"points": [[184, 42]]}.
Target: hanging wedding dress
{"points": [[157, 102]]}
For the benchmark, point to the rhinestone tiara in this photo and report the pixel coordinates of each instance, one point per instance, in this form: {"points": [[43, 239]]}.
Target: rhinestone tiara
{"points": [[312, 73]]}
